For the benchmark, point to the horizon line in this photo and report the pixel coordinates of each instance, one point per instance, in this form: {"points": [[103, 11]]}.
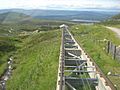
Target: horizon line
{"points": [[81, 9]]}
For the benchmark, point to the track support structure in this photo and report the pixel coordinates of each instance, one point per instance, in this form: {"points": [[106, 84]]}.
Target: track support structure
{"points": [[76, 69]]}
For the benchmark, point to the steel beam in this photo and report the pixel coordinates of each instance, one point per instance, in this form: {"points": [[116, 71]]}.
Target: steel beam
{"points": [[79, 71]]}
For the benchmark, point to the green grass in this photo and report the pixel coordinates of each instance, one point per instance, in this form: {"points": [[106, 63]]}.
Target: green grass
{"points": [[113, 21], [7, 47], [88, 37], [11, 42], [36, 55], [36, 63], [117, 26], [13, 17], [116, 16]]}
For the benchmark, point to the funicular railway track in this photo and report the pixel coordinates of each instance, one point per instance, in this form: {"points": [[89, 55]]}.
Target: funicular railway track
{"points": [[77, 71]]}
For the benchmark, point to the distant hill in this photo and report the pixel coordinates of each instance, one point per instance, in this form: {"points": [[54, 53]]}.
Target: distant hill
{"points": [[63, 14], [116, 16], [12, 17], [70, 15], [114, 20]]}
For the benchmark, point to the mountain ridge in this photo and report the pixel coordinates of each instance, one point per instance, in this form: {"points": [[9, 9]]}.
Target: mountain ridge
{"points": [[63, 14]]}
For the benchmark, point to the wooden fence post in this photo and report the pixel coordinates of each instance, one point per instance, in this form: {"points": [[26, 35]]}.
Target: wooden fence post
{"points": [[118, 53], [114, 52], [108, 46]]}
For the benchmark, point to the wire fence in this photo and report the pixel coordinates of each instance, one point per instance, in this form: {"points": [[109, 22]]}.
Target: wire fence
{"points": [[113, 50]]}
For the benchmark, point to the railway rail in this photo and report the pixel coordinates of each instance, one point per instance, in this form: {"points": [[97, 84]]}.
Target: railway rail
{"points": [[77, 70]]}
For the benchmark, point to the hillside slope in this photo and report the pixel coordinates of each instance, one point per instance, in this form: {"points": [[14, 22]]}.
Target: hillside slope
{"points": [[113, 21], [92, 39], [10, 17], [36, 63], [116, 16]]}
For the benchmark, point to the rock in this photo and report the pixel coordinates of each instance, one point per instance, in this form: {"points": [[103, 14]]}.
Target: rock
{"points": [[6, 78], [109, 73], [10, 59], [115, 85], [10, 67]]}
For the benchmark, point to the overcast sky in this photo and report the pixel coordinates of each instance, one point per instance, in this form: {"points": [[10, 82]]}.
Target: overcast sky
{"points": [[60, 4]]}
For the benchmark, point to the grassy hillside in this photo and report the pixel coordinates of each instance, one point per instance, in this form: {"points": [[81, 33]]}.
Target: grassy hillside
{"points": [[7, 47], [15, 18], [9, 35], [116, 16], [116, 19], [113, 21], [12, 17], [36, 63], [36, 55], [91, 38]]}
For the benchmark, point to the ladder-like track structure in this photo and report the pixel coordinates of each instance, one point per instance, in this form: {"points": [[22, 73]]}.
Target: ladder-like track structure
{"points": [[77, 71]]}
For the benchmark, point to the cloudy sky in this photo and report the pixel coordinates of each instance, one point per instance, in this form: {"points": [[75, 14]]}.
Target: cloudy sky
{"points": [[60, 4]]}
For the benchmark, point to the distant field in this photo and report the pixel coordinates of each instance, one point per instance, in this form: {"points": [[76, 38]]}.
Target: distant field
{"points": [[89, 37], [36, 63]]}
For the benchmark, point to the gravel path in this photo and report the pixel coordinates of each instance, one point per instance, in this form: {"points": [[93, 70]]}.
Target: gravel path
{"points": [[116, 30]]}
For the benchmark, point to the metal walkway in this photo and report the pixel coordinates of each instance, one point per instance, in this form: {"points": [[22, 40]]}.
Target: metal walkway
{"points": [[77, 71]]}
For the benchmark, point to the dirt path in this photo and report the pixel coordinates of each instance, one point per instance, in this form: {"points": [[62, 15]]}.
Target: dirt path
{"points": [[116, 30]]}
